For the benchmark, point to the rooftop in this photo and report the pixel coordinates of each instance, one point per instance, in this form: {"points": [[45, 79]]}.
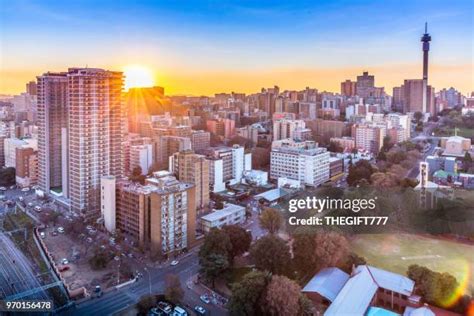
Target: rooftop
{"points": [[226, 211], [272, 195], [327, 283]]}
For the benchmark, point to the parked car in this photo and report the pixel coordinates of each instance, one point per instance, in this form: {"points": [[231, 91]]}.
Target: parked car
{"points": [[61, 230], [64, 261], [179, 311], [174, 262], [200, 310], [42, 235], [205, 298], [64, 268]]}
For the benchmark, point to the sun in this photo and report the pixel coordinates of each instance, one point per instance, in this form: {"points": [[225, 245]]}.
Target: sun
{"points": [[138, 76]]}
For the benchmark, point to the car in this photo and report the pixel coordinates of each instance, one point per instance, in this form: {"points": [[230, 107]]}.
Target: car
{"points": [[64, 261], [38, 208], [53, 233], [42, 235], [97, 291], [25, 189], [3, 189], [64, 268], [89, 227], [61, 230], [174, 262], [205, 298], [200, 310], [179, 311], [30, 204]]}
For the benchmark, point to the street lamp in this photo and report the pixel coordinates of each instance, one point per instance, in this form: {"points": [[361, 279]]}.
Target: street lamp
{"points": [[149, 278]]}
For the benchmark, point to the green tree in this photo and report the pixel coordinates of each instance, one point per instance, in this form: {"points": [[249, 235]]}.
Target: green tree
{"points": [[214, 254], [214, 266], [271, 220], [173, 290], [361, 170], [436, 288], [240, 240], [272, 254], [216, 241], [246, 294], [303, 258]]}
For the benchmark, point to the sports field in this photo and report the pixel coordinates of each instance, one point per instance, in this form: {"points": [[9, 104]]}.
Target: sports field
{"points": [[395, 252]]}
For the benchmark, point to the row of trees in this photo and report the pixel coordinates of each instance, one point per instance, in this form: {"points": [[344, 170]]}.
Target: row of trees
{"points": [[438, 288]]}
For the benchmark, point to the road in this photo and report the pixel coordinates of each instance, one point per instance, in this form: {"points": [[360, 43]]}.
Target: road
{"points": [[16, 273], [116, 300], [415, 171]]}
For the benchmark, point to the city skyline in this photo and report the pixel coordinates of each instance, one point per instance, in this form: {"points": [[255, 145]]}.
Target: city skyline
{"points": [[240, 48]]}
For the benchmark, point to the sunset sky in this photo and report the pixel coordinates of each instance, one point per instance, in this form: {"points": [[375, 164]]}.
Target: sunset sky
{"points": [[204, 47]]}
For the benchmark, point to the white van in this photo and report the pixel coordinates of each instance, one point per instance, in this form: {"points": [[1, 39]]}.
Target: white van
{"points": [[179, 311]]}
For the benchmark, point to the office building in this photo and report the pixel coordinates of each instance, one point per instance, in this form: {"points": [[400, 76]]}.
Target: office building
{"points": [[307, 164], [231, 214]]}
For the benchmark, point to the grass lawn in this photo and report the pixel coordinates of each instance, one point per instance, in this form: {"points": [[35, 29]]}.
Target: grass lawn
{"points": [[462, 131], [395, 252]]}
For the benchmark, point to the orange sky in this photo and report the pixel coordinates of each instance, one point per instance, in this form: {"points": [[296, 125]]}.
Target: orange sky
{"points": [[200, 82]]}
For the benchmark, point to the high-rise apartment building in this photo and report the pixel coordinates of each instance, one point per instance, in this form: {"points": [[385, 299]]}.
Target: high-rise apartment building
{"points": [[160, 215], [365, 85], [192, 168], [227, 165], [283, 129], [167, 146], [348, 88], [31, 88], [80, 122], [52, 121], [200, 140], [368, 137]]}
